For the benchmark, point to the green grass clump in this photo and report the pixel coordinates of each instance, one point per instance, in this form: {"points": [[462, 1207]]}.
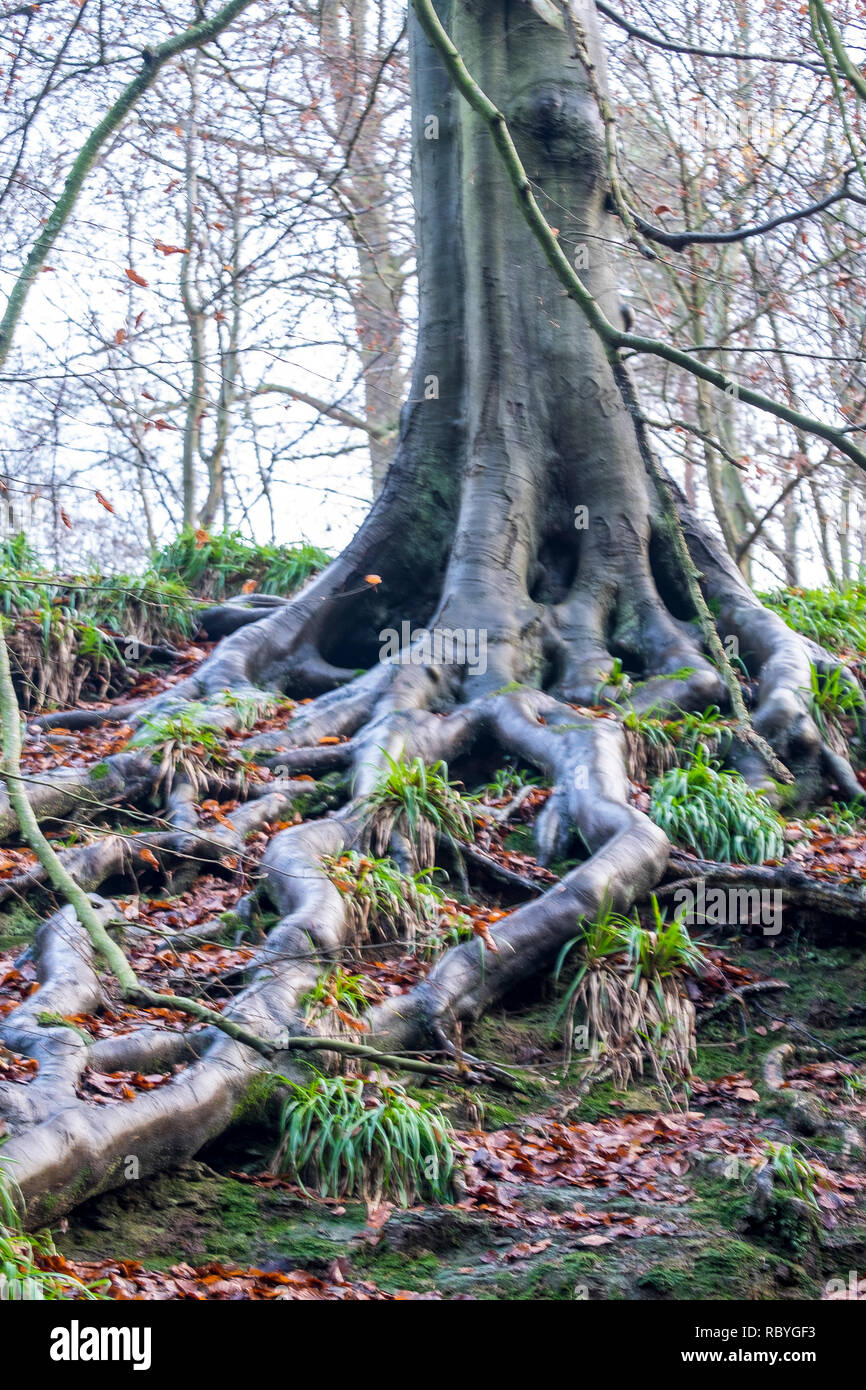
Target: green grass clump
{"points": [[148, 607], [656, 743], [74, 636], [833, 698], [420, 803], [249, 706], [337, 997], [182, 742], [791, 1171], [835, 618], [839, 819], [21, 1273], [627, 990], [356, 1137], [217, 566], [388, 905], [506, 781], [382, 900], [716, 814]]}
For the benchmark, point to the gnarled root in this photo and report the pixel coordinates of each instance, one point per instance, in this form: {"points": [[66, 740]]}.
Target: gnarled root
{"points": [[63, 1148]]}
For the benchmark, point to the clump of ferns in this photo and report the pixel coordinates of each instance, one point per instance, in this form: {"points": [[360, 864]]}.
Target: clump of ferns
{"points": [[364, 1137], [419, 804], [716, 814], [654, 745], [627, 994]]}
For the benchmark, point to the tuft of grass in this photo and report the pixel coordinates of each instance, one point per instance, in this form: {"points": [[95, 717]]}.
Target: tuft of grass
{"points": [[617, 678], [149, 607], [833, 697], [383, 901], [655, 744], [387, 904], [183, 742], [627, 989], [71, 635], [364, 1137], [23, 1258], [716, 814], [506, 781], [707, 730], [17, 553], [338, 997], [420, 803], [835, 618], [214, 566], [790, 1171], [839, 819], [249, 706]]}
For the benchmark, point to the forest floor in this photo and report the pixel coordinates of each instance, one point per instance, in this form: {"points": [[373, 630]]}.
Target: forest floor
{"points": [[562, 1190], [563, 1197]]}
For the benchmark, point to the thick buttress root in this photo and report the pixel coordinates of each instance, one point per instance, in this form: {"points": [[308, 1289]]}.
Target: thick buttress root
{"points": [[63, 1148]]}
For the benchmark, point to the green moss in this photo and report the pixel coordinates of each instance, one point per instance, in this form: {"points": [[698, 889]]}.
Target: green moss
{"points": [[787, 1225], [732, 1269], [192, 1214], [324, 795], [257, 1100], [599, 1102], [99, 772], [49, 1020], [721, 1201], [394, 1269], [522, 839], [232, 924], [18, 925], [563, 1278], [499, 1116]]}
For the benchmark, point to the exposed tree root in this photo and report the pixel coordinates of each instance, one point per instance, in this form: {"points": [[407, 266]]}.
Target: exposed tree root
{"points": [[799, 888], [64, 1148], [475, 533]]}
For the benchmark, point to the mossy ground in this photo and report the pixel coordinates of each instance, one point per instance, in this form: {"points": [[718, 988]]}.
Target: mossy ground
{"points": [[723, 1246], [18, 924]]}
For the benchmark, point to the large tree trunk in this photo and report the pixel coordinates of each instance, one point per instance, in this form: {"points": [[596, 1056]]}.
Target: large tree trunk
{"points": [[520, 511]]}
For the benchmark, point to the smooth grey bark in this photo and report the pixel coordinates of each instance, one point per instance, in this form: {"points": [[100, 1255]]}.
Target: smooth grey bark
{"points": [[515, 422]]}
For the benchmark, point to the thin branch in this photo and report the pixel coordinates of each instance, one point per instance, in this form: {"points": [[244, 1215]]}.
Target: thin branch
{"points": [[613, 339], [336, 412], [154, 60], [661, 40], [677, 241]]}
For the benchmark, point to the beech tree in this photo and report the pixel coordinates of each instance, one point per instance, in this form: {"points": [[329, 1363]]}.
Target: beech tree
{"points": [[526, 548]]}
